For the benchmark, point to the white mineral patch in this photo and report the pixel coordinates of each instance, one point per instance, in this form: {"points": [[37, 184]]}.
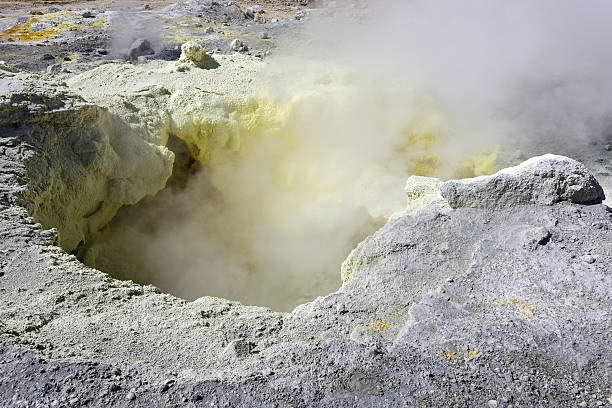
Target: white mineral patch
{"points": [[155, 97]]}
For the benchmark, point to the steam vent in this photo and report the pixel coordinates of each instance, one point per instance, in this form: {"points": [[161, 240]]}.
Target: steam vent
{"points": [[305, 203]]}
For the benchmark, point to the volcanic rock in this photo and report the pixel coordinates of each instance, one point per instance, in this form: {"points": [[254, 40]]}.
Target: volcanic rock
{"points": [[543, 180], [140, 47], [496, 292], [238, 45], [193, 55]]}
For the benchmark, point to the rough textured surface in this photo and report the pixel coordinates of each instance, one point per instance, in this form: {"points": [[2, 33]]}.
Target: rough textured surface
{"points": [[91, 164], [193, 55], [543, 180], [504, 304], [440, 307]]}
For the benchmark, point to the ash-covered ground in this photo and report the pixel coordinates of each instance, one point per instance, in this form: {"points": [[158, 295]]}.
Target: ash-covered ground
{"points": [[486, 291]]}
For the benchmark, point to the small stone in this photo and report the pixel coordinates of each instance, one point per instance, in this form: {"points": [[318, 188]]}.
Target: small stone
{"points": [[265, 36], [492, 403], [259, 18], [140, 47], [209, 30], [588, 259], [239, 46], [252, 11], [88, 14], [166, 386], [101, 51], [238, 348], [193, 55], [608, 147], [130, 396]]}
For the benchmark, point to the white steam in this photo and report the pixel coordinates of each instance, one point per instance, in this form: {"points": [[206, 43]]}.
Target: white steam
{"points": [[129, 23], [361, 100]]}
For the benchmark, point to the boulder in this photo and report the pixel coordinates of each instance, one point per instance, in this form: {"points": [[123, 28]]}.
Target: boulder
{"points": [[542, 180], [139, 48], [193, 55]]}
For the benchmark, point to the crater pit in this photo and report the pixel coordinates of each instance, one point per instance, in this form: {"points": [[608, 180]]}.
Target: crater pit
{"points": [[226, 182]]}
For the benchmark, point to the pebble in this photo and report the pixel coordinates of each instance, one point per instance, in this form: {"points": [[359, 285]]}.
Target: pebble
{"points": [[130, 396], [588, 259], [253, 10], [492, 403], [239, 46]]}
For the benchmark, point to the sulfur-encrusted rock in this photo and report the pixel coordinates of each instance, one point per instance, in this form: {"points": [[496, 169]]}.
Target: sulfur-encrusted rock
{"points": [[542, 180], [81, 163], [193, 55]]}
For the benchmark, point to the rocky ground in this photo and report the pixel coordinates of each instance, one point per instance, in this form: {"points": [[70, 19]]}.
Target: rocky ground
{"points": [[492, 291], [39, 37]]}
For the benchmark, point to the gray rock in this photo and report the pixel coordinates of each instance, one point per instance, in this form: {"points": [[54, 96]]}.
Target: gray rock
{"points": [[238, 46], [542, 180], [140, 47], [535, 237], [253, 10], [238, 348], [437, 300]]}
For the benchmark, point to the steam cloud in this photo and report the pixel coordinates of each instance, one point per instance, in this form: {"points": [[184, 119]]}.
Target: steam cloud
{"points": [[130, 23], [361, 100]]}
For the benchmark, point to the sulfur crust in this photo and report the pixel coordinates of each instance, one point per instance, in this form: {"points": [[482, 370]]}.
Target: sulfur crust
{"points": [[223, 111]]}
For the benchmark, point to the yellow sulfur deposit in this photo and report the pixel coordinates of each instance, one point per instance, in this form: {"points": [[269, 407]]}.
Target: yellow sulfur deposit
{"points": [[48, 26], [290, 166]]}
